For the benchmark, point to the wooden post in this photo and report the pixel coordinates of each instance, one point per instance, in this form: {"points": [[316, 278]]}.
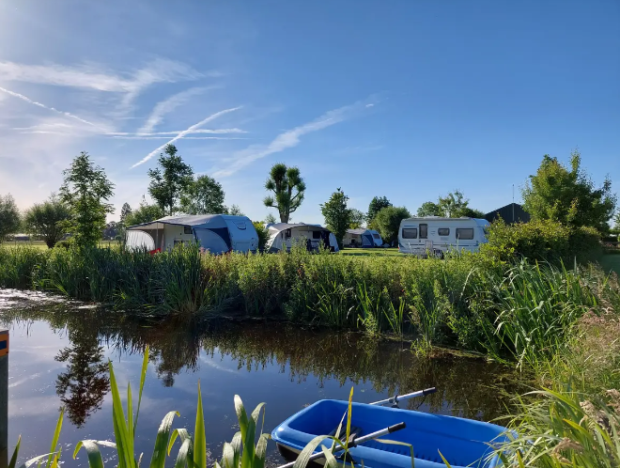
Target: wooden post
{"points": [[4, 397]]}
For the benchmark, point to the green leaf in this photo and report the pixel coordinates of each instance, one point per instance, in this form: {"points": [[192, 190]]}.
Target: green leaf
{"points": [[56, 436], [304, 457], [261, 451], [145, 365], [183, 454], [92, 450], [200, 440], [158, 460], [228, 456], [349, 411], [444, 459], [34, 460], [13, 461], [330, 460], [124, 439], [396, 442]]}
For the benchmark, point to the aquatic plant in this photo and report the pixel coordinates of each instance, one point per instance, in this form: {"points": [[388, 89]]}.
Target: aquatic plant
{"points": [[511, 312]]}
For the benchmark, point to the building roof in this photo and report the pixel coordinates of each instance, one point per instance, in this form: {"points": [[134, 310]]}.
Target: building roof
{"points": [[283, 226], [511, 213]]}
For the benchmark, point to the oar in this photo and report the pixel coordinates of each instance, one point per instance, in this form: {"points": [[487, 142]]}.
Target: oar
{"points": [[355, 442], [396, 398]]}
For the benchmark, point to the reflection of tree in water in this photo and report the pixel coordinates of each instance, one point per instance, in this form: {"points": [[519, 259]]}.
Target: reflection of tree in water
{"points": [[466, 387], [85, 382]]}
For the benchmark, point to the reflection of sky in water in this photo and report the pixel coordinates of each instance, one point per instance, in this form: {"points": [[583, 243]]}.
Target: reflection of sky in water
{"points": [[287, 371]]}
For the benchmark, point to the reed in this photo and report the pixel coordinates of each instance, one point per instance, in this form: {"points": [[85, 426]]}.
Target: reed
{"points": [[517, 312]]}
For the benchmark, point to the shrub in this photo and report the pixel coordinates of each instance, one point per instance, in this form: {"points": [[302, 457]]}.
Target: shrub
{"points": [[547, 241]]}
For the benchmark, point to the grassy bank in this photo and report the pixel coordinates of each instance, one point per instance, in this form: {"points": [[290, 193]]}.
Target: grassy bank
{"points": [[511, 312], [558, 324]]}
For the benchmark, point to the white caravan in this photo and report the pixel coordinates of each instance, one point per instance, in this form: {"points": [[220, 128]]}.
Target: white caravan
{"points": [[435, 235], [362, 238], [216, 233], [282, 236]]}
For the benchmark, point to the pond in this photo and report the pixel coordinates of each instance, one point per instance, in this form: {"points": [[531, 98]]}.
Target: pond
{"points": [[59, 353]]}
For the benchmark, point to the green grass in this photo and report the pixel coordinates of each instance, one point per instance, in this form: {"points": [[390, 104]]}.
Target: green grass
{"points": [[377, 252]]}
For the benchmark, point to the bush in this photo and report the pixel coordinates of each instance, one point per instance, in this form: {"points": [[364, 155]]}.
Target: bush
{"points": [[547, 241]]}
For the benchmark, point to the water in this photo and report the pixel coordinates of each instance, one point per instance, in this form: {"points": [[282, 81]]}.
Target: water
{"points": [[59, 353]]}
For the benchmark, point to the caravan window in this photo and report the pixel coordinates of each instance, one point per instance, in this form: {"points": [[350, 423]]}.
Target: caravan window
{"points": [[465, 233], [410, 233], [187, 230], [443, 231], [316, 234], [240, 225], [423, 231], [287, 234]]}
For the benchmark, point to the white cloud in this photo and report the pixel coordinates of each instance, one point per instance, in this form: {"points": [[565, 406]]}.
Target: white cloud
{"points": [[176, 132], [139, 137], [166, 106], [290, 138], [90, 76], [38, 104], [184, 133]]}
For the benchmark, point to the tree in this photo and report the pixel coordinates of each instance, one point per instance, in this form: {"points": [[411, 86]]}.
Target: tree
{"points": [[125, 212], [48, 220], [376, 205], [144, 214], [617, 221], [337, 215], [9, 216], [167, 186], [288, 188], [472, 213], [203, 196], [429, 209], [388, 221], [453, 205], [270, 219], [357, 219], [86, 190], [568, 195], [263, 234], [235, 210]]}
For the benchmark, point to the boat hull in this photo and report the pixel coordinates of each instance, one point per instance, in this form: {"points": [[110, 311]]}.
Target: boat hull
{"points": [[462, 442]]}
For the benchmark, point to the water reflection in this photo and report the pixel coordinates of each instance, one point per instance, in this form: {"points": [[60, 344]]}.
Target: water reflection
{"points": [[85, 382], [467, 387]]}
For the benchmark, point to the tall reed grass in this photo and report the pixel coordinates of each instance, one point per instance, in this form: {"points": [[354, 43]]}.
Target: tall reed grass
{"points": [[512, 312]]}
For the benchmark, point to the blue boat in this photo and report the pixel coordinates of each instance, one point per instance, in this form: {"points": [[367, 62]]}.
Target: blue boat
{"points": [[463, 442]]}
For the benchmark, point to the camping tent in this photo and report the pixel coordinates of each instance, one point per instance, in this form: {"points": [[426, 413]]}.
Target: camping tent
{"points": [[362, 238], [217, 233], [283, 236]]}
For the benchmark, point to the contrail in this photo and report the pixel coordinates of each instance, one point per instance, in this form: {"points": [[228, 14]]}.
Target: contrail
{"points": [[183, 133], [35, 103]]}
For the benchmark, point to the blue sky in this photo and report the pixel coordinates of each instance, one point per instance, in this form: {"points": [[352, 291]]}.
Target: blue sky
{"points": [[402, 98]]}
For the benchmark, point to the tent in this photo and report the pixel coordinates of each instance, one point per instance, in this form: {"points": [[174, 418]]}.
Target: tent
{"points": [[362, 238], [283, 236], [216, 233]]}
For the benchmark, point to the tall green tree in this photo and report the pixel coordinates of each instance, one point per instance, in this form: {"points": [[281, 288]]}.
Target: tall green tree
{"points": [[203, 196], [10, 221], [288, 188], [86, 191], [357, 219], [337, 215], [263, 234], [235, 210], [388, 221], [48, 220], [568, 195], [125, 211], [429, 209], [453, 205], [376, 205], [473, 213], [170, 181], [145, 213], [270, 219]]}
